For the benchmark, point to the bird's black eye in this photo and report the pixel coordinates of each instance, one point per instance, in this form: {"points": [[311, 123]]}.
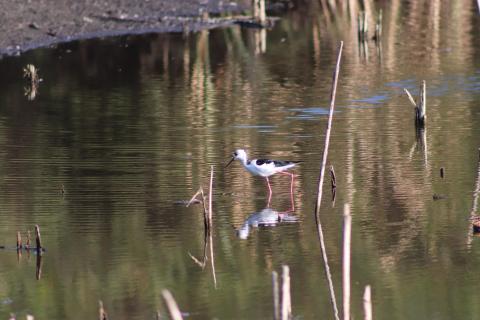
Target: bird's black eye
{"points": [[235, 154]]}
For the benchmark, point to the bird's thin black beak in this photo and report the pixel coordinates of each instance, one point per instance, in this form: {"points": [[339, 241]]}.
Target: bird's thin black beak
{"points": [[231, 160]]}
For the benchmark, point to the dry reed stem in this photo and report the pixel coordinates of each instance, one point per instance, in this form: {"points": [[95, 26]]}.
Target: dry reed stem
{"points": [[38, 239], [198, 262], [102, 314], [320, 184], [347, 232], [286, 299], [333, 178], [276, 296], [410, 97], [210, 197], [172, 306], [210, 222], [367, 303], [421, 106]]}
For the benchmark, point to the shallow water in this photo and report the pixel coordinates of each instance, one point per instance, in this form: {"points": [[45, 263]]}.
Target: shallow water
{"points": [[129, 127]]}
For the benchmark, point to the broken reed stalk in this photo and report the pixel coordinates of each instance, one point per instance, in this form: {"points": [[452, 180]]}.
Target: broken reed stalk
{"points": [[172, 306], [276, 296], [212, 261], [320, 183], [347, 232], [102, 314], [421, 106], [333, 179], [367, 303], [38, 239], [210, 222], [205, 210], [286, 298], [210, 197]]}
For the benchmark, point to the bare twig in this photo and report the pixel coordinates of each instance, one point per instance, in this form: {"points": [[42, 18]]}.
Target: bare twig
{"points": [[333, 178], [320, 183], [410, 97], [421, 106], [172, 306], [198, 262], [347, 231]]}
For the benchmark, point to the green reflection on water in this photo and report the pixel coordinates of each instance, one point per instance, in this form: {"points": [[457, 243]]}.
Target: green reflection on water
{"points": [[129, 126]]}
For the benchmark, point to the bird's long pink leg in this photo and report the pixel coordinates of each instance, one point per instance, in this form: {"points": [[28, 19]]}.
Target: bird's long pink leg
{"points": [[269, 192]]}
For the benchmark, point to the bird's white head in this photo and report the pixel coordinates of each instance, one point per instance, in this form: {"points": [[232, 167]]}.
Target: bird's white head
{"points": [[239, 154]]}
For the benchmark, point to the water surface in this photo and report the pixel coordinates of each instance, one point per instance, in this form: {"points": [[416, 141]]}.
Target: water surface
{"points": [[129, 127]]}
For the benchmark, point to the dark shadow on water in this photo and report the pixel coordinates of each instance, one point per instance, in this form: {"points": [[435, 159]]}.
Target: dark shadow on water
{"points": [[267, 217]]}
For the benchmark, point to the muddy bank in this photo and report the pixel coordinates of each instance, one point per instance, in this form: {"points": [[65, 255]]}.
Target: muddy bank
{"points": [[29, 24]]}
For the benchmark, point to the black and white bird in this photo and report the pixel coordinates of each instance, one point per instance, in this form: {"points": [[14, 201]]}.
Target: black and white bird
{"points": [[264, 167]]}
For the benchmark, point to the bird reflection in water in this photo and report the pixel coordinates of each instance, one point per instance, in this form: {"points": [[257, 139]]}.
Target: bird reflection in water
{"points": [[267, 217]]}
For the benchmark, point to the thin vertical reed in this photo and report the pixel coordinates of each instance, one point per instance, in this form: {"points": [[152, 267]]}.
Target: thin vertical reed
{"points": [[276, 296], [367, 303], [333, 179], [320, 183], [210, 220], [172, 306], [210, 192], [347, 231], [286, 299], [102, 314]]}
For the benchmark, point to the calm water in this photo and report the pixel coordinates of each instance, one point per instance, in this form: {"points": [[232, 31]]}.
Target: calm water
{"points": [[130, 126]]}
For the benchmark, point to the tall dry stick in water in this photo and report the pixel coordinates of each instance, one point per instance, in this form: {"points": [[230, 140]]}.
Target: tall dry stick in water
{"points": [[286, 298], [276, 296], [172, 306], [367, 303], [320, 183], [210, 196], [347, 232]]}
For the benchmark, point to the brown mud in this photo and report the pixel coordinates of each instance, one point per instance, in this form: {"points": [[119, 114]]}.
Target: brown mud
{"points": [[30, 24]]}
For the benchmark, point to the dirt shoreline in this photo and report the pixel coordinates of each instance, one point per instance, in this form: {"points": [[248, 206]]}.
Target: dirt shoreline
{"points": [[29, 24]]}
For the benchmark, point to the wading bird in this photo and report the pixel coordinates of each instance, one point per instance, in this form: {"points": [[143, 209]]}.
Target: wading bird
{"points": [[265, 168]]}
